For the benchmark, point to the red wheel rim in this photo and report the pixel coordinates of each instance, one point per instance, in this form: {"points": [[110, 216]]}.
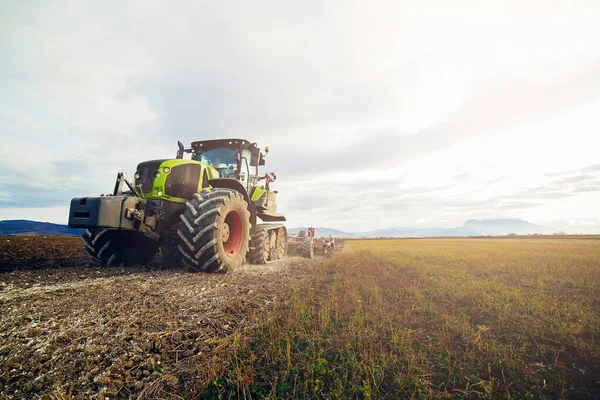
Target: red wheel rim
{"points": [[233, 244]]}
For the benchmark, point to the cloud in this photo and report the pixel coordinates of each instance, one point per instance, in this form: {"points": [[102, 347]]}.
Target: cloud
{"points": [[564, 184], [592, 168], [575, 179], [587, 189], [490, 109], [376, 114], [579, 171]]}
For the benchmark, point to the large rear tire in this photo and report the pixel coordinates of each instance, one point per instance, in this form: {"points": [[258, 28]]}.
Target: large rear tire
{"points": [[259, 249], [280, 249], [269, 243], [215, 231], [116, 248], [307, 248]]}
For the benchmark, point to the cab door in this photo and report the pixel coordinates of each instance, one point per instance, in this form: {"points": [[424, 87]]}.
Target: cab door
{"points": [[246, 175]]}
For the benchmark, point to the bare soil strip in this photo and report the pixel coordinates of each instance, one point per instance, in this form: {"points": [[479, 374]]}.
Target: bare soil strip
{"points": [[117, 332]]}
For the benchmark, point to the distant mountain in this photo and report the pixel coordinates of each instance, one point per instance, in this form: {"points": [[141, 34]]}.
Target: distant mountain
{"points": [[495, 227], [26, 227], [473, 227]]}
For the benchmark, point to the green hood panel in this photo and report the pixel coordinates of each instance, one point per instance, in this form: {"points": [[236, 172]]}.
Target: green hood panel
{"points": [[173, 180]]}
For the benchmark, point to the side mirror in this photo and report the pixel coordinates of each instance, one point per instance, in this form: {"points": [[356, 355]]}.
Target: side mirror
{"points": [[255, 157], [180, 150]]}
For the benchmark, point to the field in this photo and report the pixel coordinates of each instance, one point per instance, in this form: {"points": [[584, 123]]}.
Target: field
{"points": [[71, 330], [432, 318], [411, 318]]}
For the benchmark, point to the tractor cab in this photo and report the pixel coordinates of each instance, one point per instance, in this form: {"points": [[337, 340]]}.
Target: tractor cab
{"points": [[231, 158]]}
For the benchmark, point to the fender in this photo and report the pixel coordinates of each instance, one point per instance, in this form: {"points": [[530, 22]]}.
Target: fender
{"points": [[236, 185]]}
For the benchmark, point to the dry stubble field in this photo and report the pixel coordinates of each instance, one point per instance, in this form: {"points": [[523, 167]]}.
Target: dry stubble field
{"points": [[432, 318], [414, 318]]}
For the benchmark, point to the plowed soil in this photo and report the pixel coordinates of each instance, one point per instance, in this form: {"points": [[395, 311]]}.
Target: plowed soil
{"points": [[70, 329]]}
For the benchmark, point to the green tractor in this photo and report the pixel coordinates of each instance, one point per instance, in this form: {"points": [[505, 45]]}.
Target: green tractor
{"points": [[201, 212]]}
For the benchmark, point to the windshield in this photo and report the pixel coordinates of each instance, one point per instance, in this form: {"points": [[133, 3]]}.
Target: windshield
{"points": [[218, 158]]}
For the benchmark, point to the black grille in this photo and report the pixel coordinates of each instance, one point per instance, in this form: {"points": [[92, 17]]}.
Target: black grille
{"points": [[146, 171], [183, 181]]}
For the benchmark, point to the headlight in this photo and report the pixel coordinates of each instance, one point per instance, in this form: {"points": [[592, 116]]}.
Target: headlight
{"points": [[166, 170], [137, 176], [159, 193], [157, 175]]}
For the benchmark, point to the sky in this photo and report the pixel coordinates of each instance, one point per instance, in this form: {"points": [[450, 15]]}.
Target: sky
{"points": [[378, 114]]}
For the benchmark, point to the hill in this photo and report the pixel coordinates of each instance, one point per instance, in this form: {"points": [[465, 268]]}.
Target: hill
{"points": [[35, 228], [473, 227], [496, 227]]}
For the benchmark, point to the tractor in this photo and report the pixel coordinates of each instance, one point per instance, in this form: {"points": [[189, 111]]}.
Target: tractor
{"points": [[200, 212]]}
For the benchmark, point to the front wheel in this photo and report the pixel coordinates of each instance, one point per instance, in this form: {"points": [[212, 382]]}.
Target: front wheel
{"points": [[114, 248], [169, 248], [215, 231]]}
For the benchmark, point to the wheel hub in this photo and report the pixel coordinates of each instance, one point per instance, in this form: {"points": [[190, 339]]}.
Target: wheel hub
{"points": [[231, 233], [225, 232]]}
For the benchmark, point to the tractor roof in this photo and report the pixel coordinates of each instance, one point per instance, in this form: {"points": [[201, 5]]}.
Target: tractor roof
{"points": [[205, 145]]}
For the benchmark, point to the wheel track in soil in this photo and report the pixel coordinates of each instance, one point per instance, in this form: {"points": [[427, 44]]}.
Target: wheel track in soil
{"points": [[97, 328], [28, 283]]}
